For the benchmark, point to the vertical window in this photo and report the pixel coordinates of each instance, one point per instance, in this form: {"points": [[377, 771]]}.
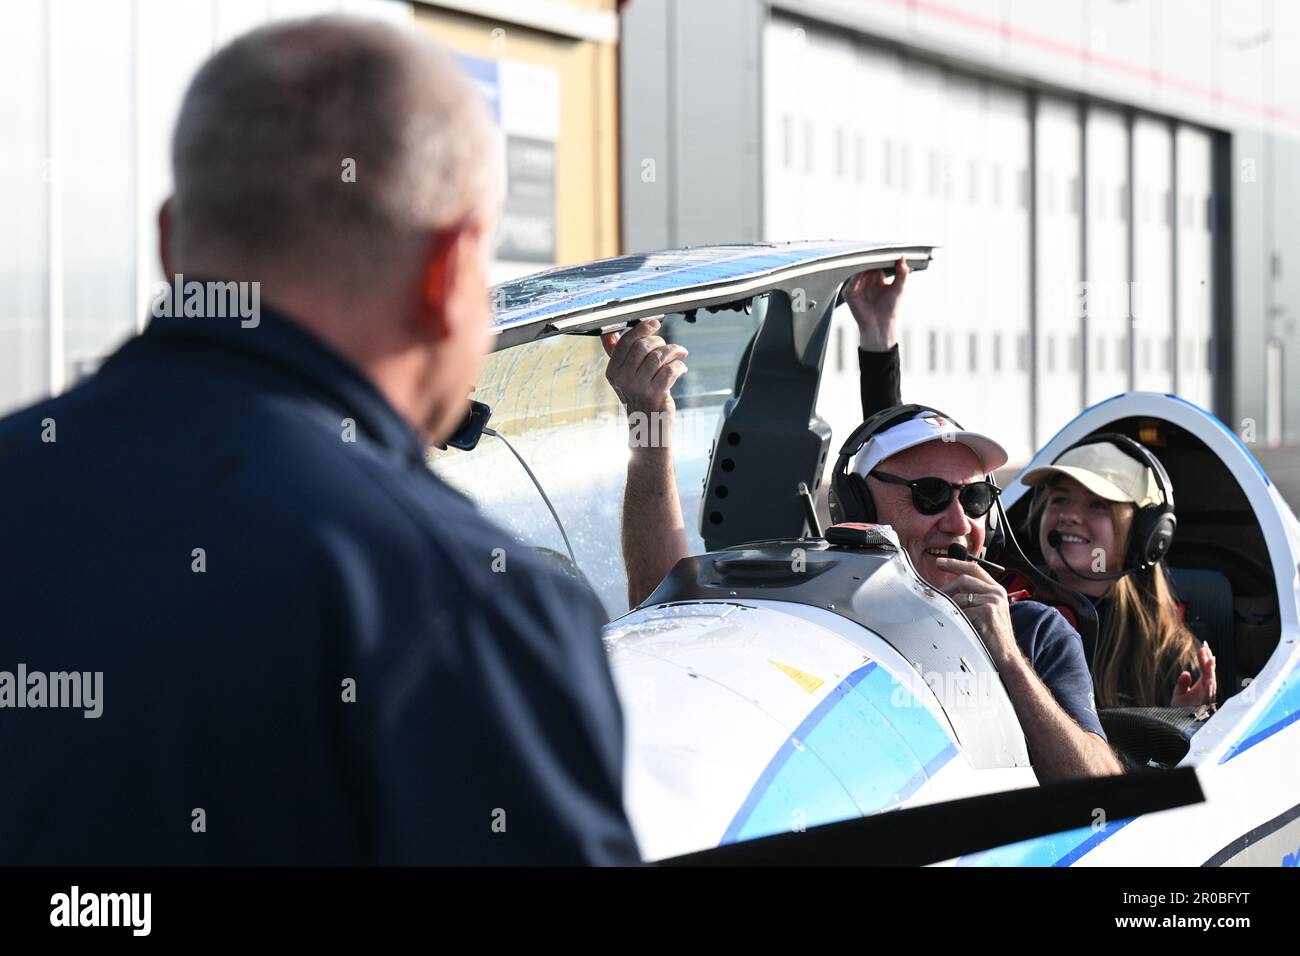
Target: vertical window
{"points": [[934, 351], [839, 349], [1101, 354], [1051, 353], [997, 351], [974, 352]]}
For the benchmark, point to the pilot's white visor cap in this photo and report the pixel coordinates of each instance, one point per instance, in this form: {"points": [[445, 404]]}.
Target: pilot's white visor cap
{"points": [[927, 427]]}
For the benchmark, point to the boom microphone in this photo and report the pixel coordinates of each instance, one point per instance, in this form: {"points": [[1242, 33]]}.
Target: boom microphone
{"points": [[1054, 539], [958, 553]]}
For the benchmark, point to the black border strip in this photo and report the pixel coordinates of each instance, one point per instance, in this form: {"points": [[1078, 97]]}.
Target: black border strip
{"points": [[1261, 831]]}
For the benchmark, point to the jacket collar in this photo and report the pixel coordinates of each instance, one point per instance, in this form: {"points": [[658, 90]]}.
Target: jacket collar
{"points": [[288, 350]]}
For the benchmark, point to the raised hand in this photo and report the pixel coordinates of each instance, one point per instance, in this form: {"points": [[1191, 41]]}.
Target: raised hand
{"points": [[873, 300], [1188, 694], [643, 367]]}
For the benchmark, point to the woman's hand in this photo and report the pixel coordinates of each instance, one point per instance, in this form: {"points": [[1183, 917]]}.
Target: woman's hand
{"points": [[1187, 694], [874, 304]]}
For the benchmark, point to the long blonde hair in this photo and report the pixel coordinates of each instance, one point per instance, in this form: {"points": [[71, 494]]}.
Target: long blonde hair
{"points": [[1142, 637]]}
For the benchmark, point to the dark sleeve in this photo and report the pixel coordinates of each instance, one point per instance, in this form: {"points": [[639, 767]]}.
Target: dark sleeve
{"points": [[535, 668], [880, 379], [1055, 651], [496, 736]]}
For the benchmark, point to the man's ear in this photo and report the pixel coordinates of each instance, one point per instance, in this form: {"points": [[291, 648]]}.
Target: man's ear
{"points": [[165, 238], [443, 272]]}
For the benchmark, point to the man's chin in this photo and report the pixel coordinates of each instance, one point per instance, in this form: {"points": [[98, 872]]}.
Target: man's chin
{"points": [[930, 572]]}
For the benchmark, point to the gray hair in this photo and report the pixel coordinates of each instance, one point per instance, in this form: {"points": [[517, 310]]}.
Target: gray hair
{"points": [[267, 129]]}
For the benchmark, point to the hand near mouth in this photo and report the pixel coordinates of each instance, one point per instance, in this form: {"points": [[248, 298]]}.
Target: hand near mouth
{"points": [[985, 604]]}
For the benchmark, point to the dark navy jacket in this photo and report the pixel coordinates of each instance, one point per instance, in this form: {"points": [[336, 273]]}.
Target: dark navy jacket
{"points": [[485, 728]]}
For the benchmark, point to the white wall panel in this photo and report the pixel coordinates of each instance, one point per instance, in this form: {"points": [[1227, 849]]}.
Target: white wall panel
{"points": [[1118, 41], [24, 184], [1153, 255], [1194, 265], [1106, 301], [1003, 210]]}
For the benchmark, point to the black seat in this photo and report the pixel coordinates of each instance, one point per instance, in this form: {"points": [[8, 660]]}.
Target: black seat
{"points": [[1152, 736], [1208, 613]]}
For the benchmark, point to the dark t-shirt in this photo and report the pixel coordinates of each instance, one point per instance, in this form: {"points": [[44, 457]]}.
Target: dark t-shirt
{"points": [[313, 651], [1054, 648], [1055, 651]]}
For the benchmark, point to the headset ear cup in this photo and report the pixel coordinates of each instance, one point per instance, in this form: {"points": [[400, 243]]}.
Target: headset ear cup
{"points": [[850, 499], [1162, 536], [866, 504], [997, 536], [1151, 536], [844, 498], [836, 503]]}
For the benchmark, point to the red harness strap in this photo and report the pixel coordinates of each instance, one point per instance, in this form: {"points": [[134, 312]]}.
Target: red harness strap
{"points": [[1020, 588]]}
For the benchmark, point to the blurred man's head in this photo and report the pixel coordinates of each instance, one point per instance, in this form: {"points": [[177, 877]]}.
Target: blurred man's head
{"points": [[348, 167], [931, 516]]}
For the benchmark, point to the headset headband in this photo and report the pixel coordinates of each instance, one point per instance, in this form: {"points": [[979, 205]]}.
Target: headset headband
{"points": [[883, 421]]}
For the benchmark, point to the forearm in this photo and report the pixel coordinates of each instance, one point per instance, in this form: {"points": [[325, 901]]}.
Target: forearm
{"points": [[1060, 748], [654, 532], [879, 380]]}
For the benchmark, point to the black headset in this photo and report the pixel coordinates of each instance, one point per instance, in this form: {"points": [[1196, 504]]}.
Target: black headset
{"points": [[850, 498], [1154, 525]]}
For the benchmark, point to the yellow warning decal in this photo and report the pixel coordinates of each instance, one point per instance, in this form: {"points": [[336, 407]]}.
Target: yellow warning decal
{"points": [[806, 681]]}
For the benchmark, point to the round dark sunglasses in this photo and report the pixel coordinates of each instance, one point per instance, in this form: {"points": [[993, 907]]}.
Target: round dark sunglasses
{"points": [[931, 495]]}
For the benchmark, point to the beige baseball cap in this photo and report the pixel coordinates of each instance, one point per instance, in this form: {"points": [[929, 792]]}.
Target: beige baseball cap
{"points": [[1105, 471]]}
